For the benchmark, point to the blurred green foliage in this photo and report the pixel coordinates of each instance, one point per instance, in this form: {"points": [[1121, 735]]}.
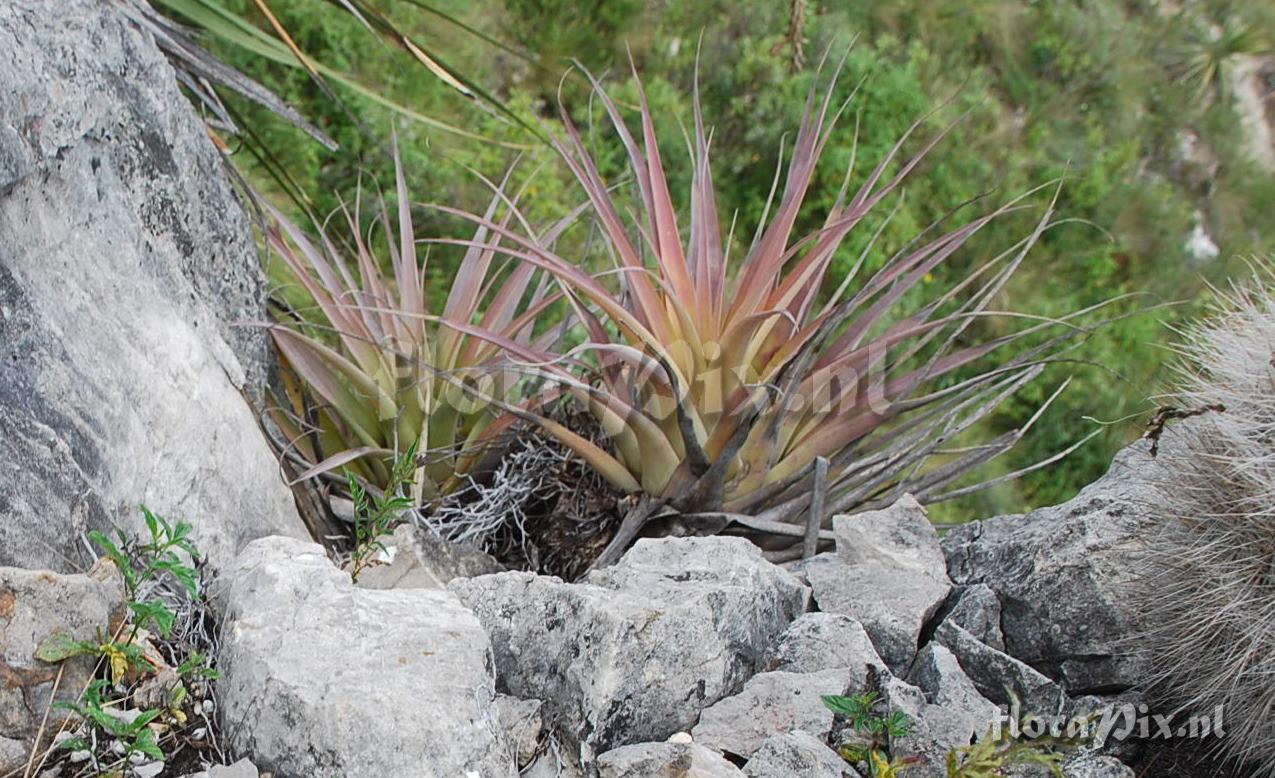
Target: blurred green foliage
{"points": [[1102, 93]]}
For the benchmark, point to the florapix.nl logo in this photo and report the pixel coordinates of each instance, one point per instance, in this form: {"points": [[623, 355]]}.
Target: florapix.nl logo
{"points": [[1116, 722]]}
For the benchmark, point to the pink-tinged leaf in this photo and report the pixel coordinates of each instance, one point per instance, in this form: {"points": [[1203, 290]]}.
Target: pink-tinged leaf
{"points": [[304, 355], [408, 272], [338, 460]]}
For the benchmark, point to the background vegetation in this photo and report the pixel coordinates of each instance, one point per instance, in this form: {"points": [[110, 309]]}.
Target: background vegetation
{"points": [[1110, 94]]}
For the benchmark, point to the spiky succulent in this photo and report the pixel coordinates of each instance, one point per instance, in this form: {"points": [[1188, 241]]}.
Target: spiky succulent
{"points": [[1210, 595], [380, 372], [722, 378]]}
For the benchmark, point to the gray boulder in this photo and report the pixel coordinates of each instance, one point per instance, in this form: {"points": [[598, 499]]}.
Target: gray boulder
{"points": [[977, 610], [888, 573], [893, 604], [1063, 576], [997, 675], [415, 558], [126, 263], [645, 760], [321, 678], [825, 641], [797, 754], [636, 651], [36, 605], [770, 704]]}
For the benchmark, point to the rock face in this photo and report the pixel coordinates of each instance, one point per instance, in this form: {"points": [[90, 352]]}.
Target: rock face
{"points": [[888, 573], [320, 678], [637, 650], [1062, 575], [34, 605], [125, 262], [645, 760]]}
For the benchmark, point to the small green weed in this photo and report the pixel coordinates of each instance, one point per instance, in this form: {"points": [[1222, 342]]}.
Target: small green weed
{"points": [[142, 696], [376, 515], [872, 733]]}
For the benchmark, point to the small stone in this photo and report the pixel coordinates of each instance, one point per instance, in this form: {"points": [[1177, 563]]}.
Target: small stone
{"points": [[995, 674], [148, 770], [644, 760], [771, 703], [241, 769], [1097, 767], [522, 724], [680, 737]]}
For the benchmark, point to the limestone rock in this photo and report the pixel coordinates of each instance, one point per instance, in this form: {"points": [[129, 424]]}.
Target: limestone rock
{"points": [[892, 603], [797, 753], [826, 641], [522, 724], [995, 673], [648, 760], [770, 704], [126, 267], [634, 652], [34, 606], [1063, 575], [977, 610], [321, 678]]}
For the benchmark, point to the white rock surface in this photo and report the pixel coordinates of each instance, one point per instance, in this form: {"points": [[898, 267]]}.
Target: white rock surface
{"points": [[888, 573], [126, 263], [321, 678]]}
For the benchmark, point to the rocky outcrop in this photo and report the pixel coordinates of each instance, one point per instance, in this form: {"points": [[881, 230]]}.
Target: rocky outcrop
{"points": [[38, 606], [635, 651], [126, 268], [321, 678], [1063, 576]]}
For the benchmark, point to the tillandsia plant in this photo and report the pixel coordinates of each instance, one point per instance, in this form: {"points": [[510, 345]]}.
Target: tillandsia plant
{"points": [[380, 373], [721, 379]]}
